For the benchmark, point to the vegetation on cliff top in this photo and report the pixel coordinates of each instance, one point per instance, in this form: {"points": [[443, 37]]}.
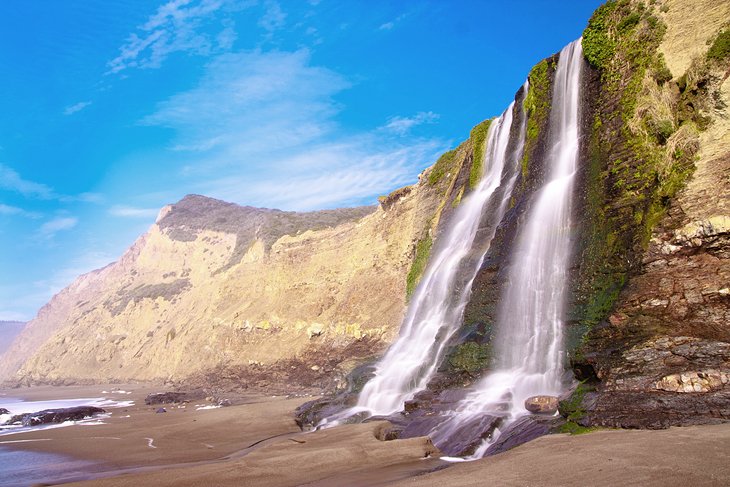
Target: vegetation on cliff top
{"points": [[442, 167], [640, 152]]}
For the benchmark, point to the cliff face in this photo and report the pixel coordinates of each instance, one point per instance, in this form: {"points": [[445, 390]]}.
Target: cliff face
{"points": [[218, 292], [662, 354]]}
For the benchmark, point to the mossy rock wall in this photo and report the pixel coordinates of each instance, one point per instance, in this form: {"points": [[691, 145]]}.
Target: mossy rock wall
{"points": [[637, 152]]}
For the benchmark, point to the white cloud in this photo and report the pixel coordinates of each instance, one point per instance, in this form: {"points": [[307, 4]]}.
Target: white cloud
{"points": [[226, 37], [133, 212], [392, 23], [177, 26], [252, 104], [260, 129], [51, 227], [70, 110], [13, 210], [274, 17], [329, 176], [403, 125], [11, 181]]}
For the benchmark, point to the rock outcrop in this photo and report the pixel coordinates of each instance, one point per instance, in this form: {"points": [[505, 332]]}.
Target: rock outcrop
{"points": [[660, 356], [50, 416]]}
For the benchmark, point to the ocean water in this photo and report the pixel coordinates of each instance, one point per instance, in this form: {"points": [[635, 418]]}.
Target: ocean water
{"points": [[23, 468], [19, 406]]}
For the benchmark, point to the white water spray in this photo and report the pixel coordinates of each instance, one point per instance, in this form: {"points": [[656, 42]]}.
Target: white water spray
{"points": [[530, 319], [437, 306]]}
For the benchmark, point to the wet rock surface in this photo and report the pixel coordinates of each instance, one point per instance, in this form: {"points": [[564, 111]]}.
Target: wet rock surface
{"points": [[166, 398], [542, 404], [663, 355], [521, 431], [61, 415]]}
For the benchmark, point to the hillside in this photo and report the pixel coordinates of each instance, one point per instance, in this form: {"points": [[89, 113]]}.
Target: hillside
{"points": [[8, 331], [260, 294]]}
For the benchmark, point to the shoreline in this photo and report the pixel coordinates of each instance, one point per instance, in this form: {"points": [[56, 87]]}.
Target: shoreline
{"points": [[256, 442]]}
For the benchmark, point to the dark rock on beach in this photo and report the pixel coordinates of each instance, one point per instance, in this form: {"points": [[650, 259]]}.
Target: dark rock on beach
{"points": [[166, 398], [49, 416]]}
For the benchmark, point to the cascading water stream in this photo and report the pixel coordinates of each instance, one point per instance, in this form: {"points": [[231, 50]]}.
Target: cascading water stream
{"points": [[437, 306], [530, 319]]}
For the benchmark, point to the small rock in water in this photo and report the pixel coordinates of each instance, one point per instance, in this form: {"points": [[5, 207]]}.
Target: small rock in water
{"points": [[4, 411], [542, 404], [161, 410]]}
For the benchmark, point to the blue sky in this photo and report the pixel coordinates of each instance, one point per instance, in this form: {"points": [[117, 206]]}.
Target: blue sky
{"points": [[113, 109]]}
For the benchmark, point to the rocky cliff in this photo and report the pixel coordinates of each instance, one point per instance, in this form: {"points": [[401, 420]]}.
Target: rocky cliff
{"points": [[240, 296], [649, 307], [661, 356]]}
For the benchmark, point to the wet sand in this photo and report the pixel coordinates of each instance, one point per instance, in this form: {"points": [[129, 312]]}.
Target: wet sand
{"points": [[255, 442]]}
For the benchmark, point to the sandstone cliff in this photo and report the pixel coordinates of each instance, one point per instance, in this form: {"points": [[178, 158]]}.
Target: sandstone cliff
{"points": [[215, 291]]}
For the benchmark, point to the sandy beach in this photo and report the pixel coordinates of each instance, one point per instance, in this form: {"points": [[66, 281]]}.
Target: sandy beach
{"points": [[256, 442]]}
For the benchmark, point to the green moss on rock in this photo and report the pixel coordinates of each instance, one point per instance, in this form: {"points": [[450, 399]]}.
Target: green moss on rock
{"points": [[470, 357], [720, 48], [537, 107], [442, 167], [478, 138], [632, 174], [423, 250]]}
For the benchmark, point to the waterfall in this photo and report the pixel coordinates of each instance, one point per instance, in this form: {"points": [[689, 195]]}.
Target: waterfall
{"points": [[436, 309], [529, 342]]}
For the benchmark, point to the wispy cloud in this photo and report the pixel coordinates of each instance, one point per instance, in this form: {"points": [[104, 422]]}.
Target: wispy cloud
{"points": [[70, 110], [273, 18], [329, 176], [15, 211], [52, 227], [389, 25], [177, 26], [12, 181], [133, 212], [252, 104], [403, 125], [255, 111]]}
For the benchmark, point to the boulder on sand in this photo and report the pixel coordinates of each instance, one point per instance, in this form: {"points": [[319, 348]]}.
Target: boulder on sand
{"points": [[55, 415], [165, 398], [542, 404]]}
